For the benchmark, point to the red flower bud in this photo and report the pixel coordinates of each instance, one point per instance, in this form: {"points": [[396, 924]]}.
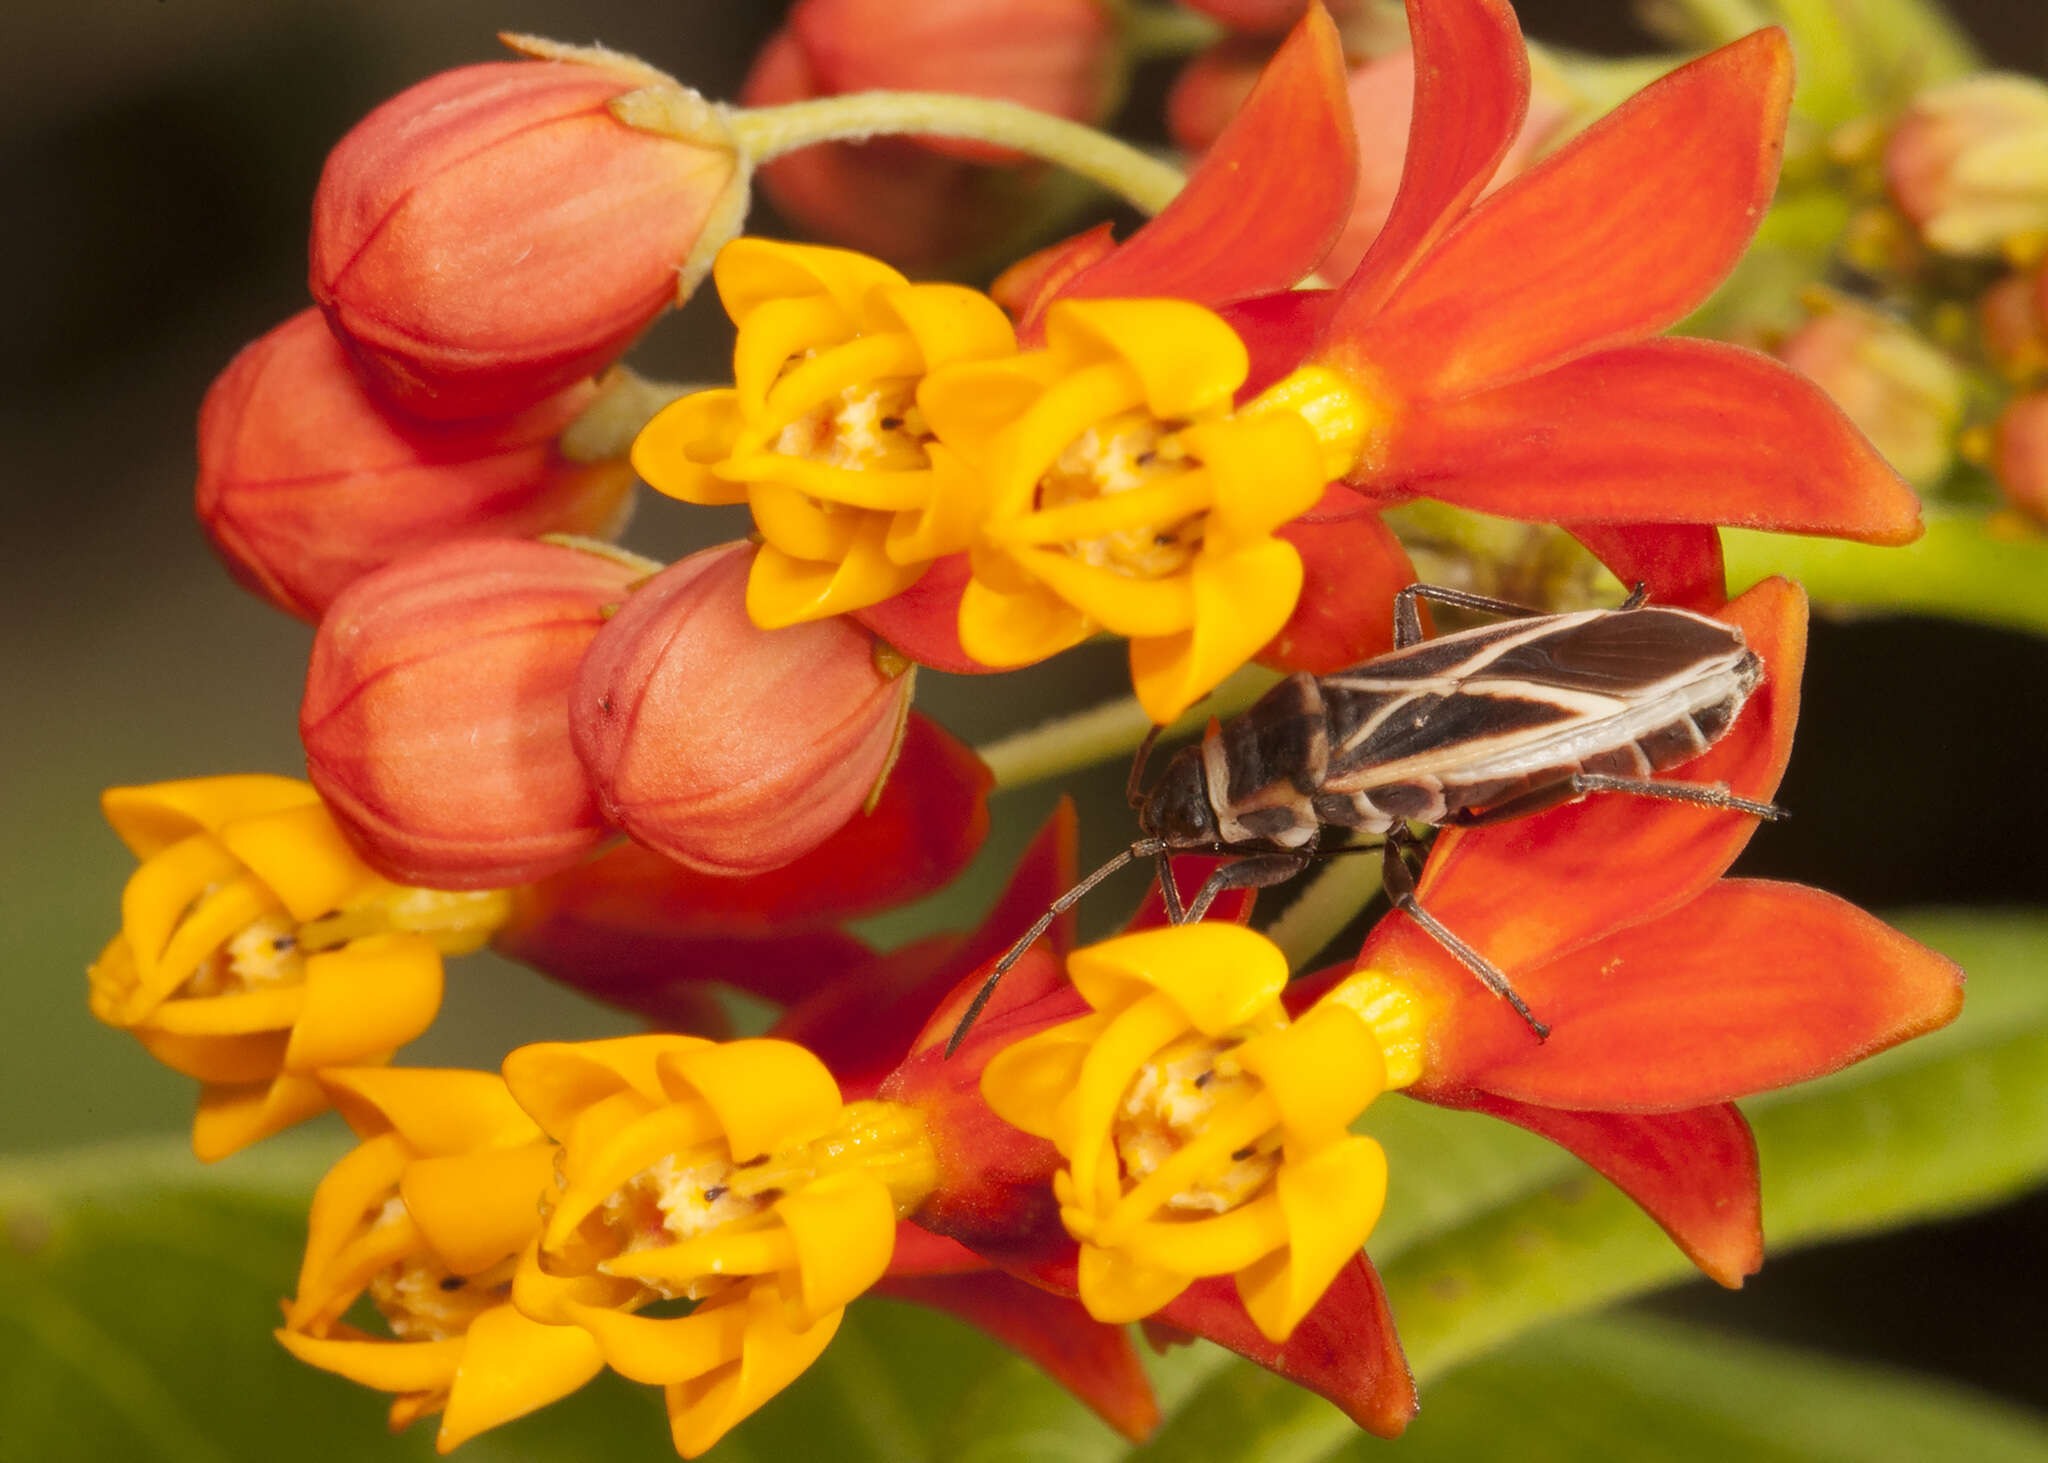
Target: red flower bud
{"points": [[729, 748], [306, 483], [2019, 454], [494, 234], [1901, 389], [2015, 332], [436, 718], [922, 202]]}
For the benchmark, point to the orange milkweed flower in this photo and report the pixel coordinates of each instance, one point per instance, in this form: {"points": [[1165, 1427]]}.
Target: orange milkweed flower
{"points": [[427, 1216], [257, 949]]}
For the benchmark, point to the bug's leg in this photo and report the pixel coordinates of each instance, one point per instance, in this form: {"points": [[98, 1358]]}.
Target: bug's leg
{"points": [[1176, 913], [1257, 872], [1637, 597], [1408, 620], [1132, 793], [1699, 794], [1400, 887]]}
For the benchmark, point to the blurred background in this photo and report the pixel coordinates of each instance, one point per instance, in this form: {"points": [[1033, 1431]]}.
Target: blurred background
{"points": [[161, 154]]}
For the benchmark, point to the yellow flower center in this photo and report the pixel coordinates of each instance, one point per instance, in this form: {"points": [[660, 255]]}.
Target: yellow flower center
{"points": [[868, 426], [1127, 453], [420, 1299], [1177, 1097]]}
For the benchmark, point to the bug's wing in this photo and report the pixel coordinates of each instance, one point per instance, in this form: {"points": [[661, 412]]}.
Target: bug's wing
{"points": [[1513, 700]]}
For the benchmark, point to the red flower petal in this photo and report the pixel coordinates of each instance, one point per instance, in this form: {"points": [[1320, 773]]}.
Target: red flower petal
{"points": [[1277, 331], [1353, 566], [1532, 888], [1608, 240], [1752, 986], [1670, 431], [1345, 1349], [1095, 1362], [1268, 199], [923, 622], [1471, 93], [1693, 1171], [1033, 282], [630, 924], [863, 1025], [1680, 563]]}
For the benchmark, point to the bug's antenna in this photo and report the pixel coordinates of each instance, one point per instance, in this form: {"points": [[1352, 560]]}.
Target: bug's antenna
{"points": [[1143, 848]]}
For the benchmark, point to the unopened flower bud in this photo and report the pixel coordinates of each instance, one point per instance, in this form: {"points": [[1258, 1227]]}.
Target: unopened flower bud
{"points": [[306, 483], [1904, 392], [1968, 163], [2019, 454], [2013, 326], [494, 234], [726, 747], [436, 717], [921, 202]]}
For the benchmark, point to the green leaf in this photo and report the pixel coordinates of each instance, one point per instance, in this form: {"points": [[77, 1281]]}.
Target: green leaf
{"points": [[138, 1292], [1636, 1389]]}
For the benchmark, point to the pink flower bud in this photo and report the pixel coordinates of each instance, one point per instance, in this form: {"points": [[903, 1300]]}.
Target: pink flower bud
{"points": [[494, 234], [1963, 163], [1903, 391], [436, 717], [2015, 332], [729, 748], [306, 483], [921, 202], [2019, 454]]}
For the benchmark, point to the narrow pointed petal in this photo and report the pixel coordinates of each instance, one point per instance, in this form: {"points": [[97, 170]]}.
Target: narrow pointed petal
{"points": [[1345, 1349], [1352, 566], [1532, 888], [1244, 225], [1471, 94], [1750, 987], [1093, 1361], [1693, 1171], [1669, 431], [862, 1025], [1609, 240], [1679, 563]]}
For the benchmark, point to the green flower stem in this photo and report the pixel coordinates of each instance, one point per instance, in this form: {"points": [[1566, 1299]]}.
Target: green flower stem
{"points": [[1166, 30], [1330, 902], [1101, 733], [768, 132], [1985, 570]]}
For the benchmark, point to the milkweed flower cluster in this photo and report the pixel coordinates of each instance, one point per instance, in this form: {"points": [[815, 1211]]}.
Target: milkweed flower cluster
{"points": [[655, 781]]}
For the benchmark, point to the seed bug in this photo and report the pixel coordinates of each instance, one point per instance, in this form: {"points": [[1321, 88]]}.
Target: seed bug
{"points": [[1461, 730]]}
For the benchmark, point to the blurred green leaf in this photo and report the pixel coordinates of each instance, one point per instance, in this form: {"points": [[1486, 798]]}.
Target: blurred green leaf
{"points": [[1965, 567], [1621, 1389]]}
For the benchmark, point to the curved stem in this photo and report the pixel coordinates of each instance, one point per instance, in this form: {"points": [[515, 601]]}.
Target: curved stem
{"points": [[1990, 570], [1102, 733], [767, 132]]}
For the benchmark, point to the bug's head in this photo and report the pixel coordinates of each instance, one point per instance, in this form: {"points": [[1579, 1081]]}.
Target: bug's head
{"points": [[1177, 811]]}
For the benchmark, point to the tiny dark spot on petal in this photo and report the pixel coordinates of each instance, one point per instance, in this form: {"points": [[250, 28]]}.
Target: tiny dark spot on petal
{"points": [[452, 1282]]}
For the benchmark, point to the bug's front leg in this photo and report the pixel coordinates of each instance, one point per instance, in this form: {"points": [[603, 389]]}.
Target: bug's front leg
{"points": [[1400, 887], [1258, 871], [1408, 618]]}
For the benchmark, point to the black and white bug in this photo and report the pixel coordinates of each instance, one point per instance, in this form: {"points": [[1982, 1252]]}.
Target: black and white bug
{"points": [[1461, 730]]}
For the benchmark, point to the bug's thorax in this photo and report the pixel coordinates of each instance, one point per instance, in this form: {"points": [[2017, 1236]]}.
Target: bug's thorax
{"points": [[1263, 767]]}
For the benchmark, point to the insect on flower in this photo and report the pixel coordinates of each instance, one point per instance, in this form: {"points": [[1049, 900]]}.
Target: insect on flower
{"points": [[1461, 730]]}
